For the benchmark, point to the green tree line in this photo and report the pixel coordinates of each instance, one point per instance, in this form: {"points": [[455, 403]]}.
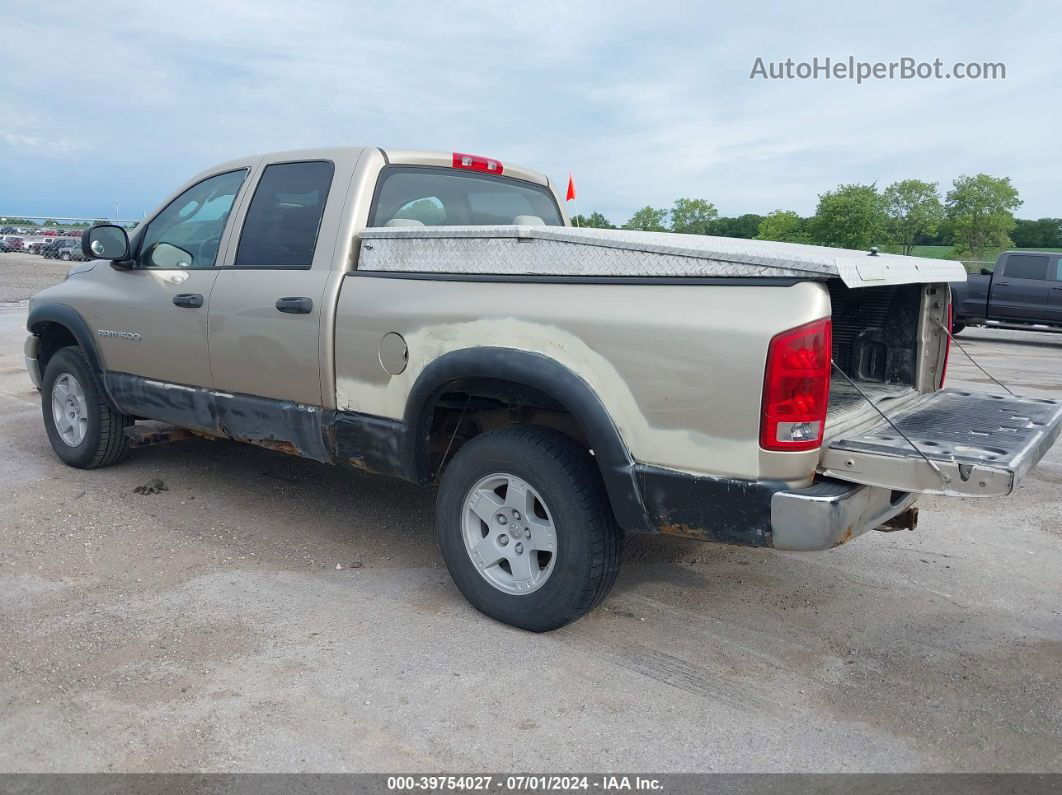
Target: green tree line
{"points": [[974, 216]]}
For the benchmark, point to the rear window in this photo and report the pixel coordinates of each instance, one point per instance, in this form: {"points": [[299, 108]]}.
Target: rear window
{"points": [[414, 195], [1026, 266]]}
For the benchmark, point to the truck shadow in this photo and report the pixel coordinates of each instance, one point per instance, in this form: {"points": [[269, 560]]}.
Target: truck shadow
{"points": [[279, 502], [286, 501]]}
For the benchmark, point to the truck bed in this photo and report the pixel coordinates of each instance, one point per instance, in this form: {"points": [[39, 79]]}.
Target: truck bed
{"points": [[875, 344], [847, 404]]}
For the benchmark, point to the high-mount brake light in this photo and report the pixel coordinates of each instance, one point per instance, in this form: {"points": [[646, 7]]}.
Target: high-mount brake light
{"points": [[796, 388], [477, 163]]}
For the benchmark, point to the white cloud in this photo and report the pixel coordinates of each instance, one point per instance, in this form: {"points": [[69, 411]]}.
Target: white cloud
{"points": [[643, 103], [17, 140]]}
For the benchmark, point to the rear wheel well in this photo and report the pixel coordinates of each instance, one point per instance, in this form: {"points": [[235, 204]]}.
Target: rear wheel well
{"points": [[468, 407], [53, 337], [503, 387]]}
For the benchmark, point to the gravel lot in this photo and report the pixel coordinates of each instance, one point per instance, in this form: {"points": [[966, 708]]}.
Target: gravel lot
{"points": [[21, 275], [269, 613]]}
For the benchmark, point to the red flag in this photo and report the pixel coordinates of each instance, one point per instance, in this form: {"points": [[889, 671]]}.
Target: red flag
{"points": [[571, 188]]}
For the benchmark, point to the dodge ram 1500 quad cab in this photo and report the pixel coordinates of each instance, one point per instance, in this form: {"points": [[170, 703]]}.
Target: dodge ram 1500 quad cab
{"points": [[436, 318]]}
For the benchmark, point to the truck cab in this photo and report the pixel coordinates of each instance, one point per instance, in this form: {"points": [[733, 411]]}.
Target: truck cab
{"points": [[242, 256]]}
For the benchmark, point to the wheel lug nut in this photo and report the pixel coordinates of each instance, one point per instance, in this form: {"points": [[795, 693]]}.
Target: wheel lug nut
{"points": [[501, 518], [527, 532], [503, 539], [516, 515], [519, 549]]}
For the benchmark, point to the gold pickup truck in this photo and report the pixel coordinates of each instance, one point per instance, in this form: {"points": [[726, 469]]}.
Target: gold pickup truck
{"points": [[435, 317]]}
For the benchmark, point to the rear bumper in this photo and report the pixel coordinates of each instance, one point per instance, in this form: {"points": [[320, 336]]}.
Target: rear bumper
{"points": [[30, 349], [765, 513], [830, 513]]}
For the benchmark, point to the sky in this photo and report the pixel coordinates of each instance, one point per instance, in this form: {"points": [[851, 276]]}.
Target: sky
{"points": [[642, 102]]}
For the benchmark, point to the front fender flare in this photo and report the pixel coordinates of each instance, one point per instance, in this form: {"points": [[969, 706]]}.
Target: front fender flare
{"points": [[70, 319]]}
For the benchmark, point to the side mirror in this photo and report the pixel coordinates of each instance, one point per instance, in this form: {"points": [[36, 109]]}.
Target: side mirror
{"points": [[105, 241], [986, 271]]}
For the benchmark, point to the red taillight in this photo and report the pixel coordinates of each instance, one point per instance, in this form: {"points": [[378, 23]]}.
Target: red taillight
{"points": [[949, 317], [477, 163], [796, 388]]}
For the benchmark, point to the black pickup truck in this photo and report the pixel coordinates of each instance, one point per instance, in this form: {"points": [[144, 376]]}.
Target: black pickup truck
{"points": [[1024, 289]]}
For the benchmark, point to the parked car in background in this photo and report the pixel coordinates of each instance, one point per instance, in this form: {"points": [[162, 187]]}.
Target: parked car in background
{"points": [[8, 230], [36, 245], [61, 248], [11, 243], [67, 249], [1022, 291]]}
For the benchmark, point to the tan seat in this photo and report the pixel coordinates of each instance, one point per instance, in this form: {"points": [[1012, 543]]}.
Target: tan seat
{"points": [[404, 222], [528, 220]]}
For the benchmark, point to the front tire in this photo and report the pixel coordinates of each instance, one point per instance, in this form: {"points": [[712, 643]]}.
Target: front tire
{"points": [[85, 431], [957, 328], [526, 529]]}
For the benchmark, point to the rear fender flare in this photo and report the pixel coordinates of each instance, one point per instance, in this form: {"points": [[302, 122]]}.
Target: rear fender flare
{"points": [[548, 376]]}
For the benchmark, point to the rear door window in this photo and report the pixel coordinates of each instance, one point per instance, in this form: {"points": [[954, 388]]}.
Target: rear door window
{"points": [[444, 196], [284, 218], [1026, 266]]}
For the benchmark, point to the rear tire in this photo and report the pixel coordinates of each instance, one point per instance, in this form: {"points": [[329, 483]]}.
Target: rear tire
{"points": [[528, 500], [85, 430], [957, 328]]}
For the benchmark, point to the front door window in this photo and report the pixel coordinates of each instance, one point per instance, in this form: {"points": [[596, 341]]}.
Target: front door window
{"points": [[188, 232]]}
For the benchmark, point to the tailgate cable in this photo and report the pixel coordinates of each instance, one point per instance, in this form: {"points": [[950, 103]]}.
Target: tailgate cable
{"points": [[940, 473], [955, 342]]}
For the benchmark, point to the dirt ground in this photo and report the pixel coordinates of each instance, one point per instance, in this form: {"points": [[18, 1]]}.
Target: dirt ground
{"points": [[269, 613]]}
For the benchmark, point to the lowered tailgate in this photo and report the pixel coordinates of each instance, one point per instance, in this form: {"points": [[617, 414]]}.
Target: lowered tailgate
{"points": [[983, 445]]}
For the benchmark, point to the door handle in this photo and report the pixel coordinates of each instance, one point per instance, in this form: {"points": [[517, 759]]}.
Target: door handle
{"points": [[295, 306], [188, 300], [1003, 284]]}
